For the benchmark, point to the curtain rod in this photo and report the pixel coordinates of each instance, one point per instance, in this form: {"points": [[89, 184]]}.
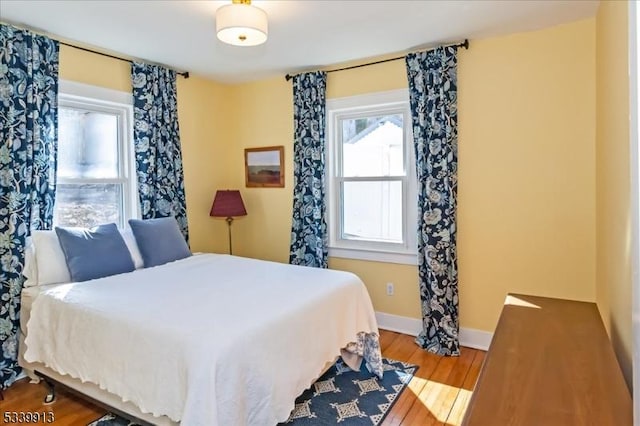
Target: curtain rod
{"points": [[464, 44], [184, 74]]}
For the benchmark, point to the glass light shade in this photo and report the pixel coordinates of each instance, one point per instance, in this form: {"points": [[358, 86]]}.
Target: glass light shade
{"points": [[241, 24]]}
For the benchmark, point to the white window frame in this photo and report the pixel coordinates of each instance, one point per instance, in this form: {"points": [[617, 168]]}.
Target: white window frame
{"points": [[380, 103], [86, 97]]}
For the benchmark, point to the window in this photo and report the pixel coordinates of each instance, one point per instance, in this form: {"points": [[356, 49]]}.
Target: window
{"points": [[371, 178], [95, 175]]}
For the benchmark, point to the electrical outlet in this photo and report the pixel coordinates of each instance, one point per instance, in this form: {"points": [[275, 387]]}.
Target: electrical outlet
{"points": [[390, 289]]}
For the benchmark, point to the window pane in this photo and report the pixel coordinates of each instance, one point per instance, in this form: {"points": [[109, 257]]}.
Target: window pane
{"points": [[88, 205], [372, 211], [88, 144], [373, 146]]}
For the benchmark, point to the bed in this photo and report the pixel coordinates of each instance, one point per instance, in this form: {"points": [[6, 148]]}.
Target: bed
{"points": [[206, 340]]}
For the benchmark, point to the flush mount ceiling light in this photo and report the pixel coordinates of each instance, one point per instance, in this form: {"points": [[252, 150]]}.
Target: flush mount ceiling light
{"points": [[241, 24]]}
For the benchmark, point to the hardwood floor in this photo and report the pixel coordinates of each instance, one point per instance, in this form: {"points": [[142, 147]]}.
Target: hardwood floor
{"points": [[437, 395], [67, 409], [440, 390]]}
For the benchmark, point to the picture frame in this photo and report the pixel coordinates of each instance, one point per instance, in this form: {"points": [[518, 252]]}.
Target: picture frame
{"points": [[264, 167]]}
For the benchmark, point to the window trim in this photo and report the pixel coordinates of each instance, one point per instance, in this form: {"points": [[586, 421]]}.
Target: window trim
{"points": [[84, 96], [382, 103]]}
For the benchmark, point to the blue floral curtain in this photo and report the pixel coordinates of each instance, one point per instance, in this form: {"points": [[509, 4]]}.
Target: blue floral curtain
{"points": [[434, 114], [29, 98], [309, 227], [156, 138]]}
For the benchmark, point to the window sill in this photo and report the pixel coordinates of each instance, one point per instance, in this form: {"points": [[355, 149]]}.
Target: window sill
{"points": [[374, 256]]}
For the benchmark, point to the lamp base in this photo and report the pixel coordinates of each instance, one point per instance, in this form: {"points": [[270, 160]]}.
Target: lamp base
{"points": [[229, 222]]}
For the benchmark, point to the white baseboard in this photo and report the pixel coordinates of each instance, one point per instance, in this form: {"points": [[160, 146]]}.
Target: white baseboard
{"points": [[406, 325], [469, 337]]}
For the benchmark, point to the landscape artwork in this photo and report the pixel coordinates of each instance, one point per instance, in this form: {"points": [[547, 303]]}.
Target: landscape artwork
{"points": [[264, 167]]}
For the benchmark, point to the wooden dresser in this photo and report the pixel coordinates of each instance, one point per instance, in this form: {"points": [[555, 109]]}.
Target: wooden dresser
{"points": [[550, 363]]}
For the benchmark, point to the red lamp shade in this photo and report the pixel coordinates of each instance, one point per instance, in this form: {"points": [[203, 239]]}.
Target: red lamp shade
{"points": [[228, 204]]}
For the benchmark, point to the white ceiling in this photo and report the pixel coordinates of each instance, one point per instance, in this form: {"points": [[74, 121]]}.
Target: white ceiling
{"points": [[303, 34]]}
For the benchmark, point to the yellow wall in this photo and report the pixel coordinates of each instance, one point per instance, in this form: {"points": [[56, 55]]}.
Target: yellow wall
{"points": [[266, 231], [203, 114], [203, 118], [527, 155], [89, 68], [262, 116], [526, 183], [613, 226]]}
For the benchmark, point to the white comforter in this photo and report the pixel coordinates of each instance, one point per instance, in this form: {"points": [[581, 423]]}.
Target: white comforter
{"points": [[208, 340]]}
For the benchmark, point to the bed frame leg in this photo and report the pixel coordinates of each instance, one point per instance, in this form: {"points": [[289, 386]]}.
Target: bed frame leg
{"points": [[51, 396]]}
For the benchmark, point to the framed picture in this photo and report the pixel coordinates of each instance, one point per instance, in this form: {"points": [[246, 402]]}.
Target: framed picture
{"points": [[264, 167]]}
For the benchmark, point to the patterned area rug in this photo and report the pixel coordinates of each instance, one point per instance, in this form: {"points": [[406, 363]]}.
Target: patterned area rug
{"points": [[111, 419], [341, 396], [347, 397]]}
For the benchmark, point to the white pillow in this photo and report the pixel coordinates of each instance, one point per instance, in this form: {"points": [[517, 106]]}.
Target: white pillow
{"points": [[50, 262], [132, 245], [30, 270], [45, 262]]}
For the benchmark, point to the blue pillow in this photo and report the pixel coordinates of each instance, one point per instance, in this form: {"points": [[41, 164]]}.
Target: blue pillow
{"points": [[94, 253], [159, 240]]}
